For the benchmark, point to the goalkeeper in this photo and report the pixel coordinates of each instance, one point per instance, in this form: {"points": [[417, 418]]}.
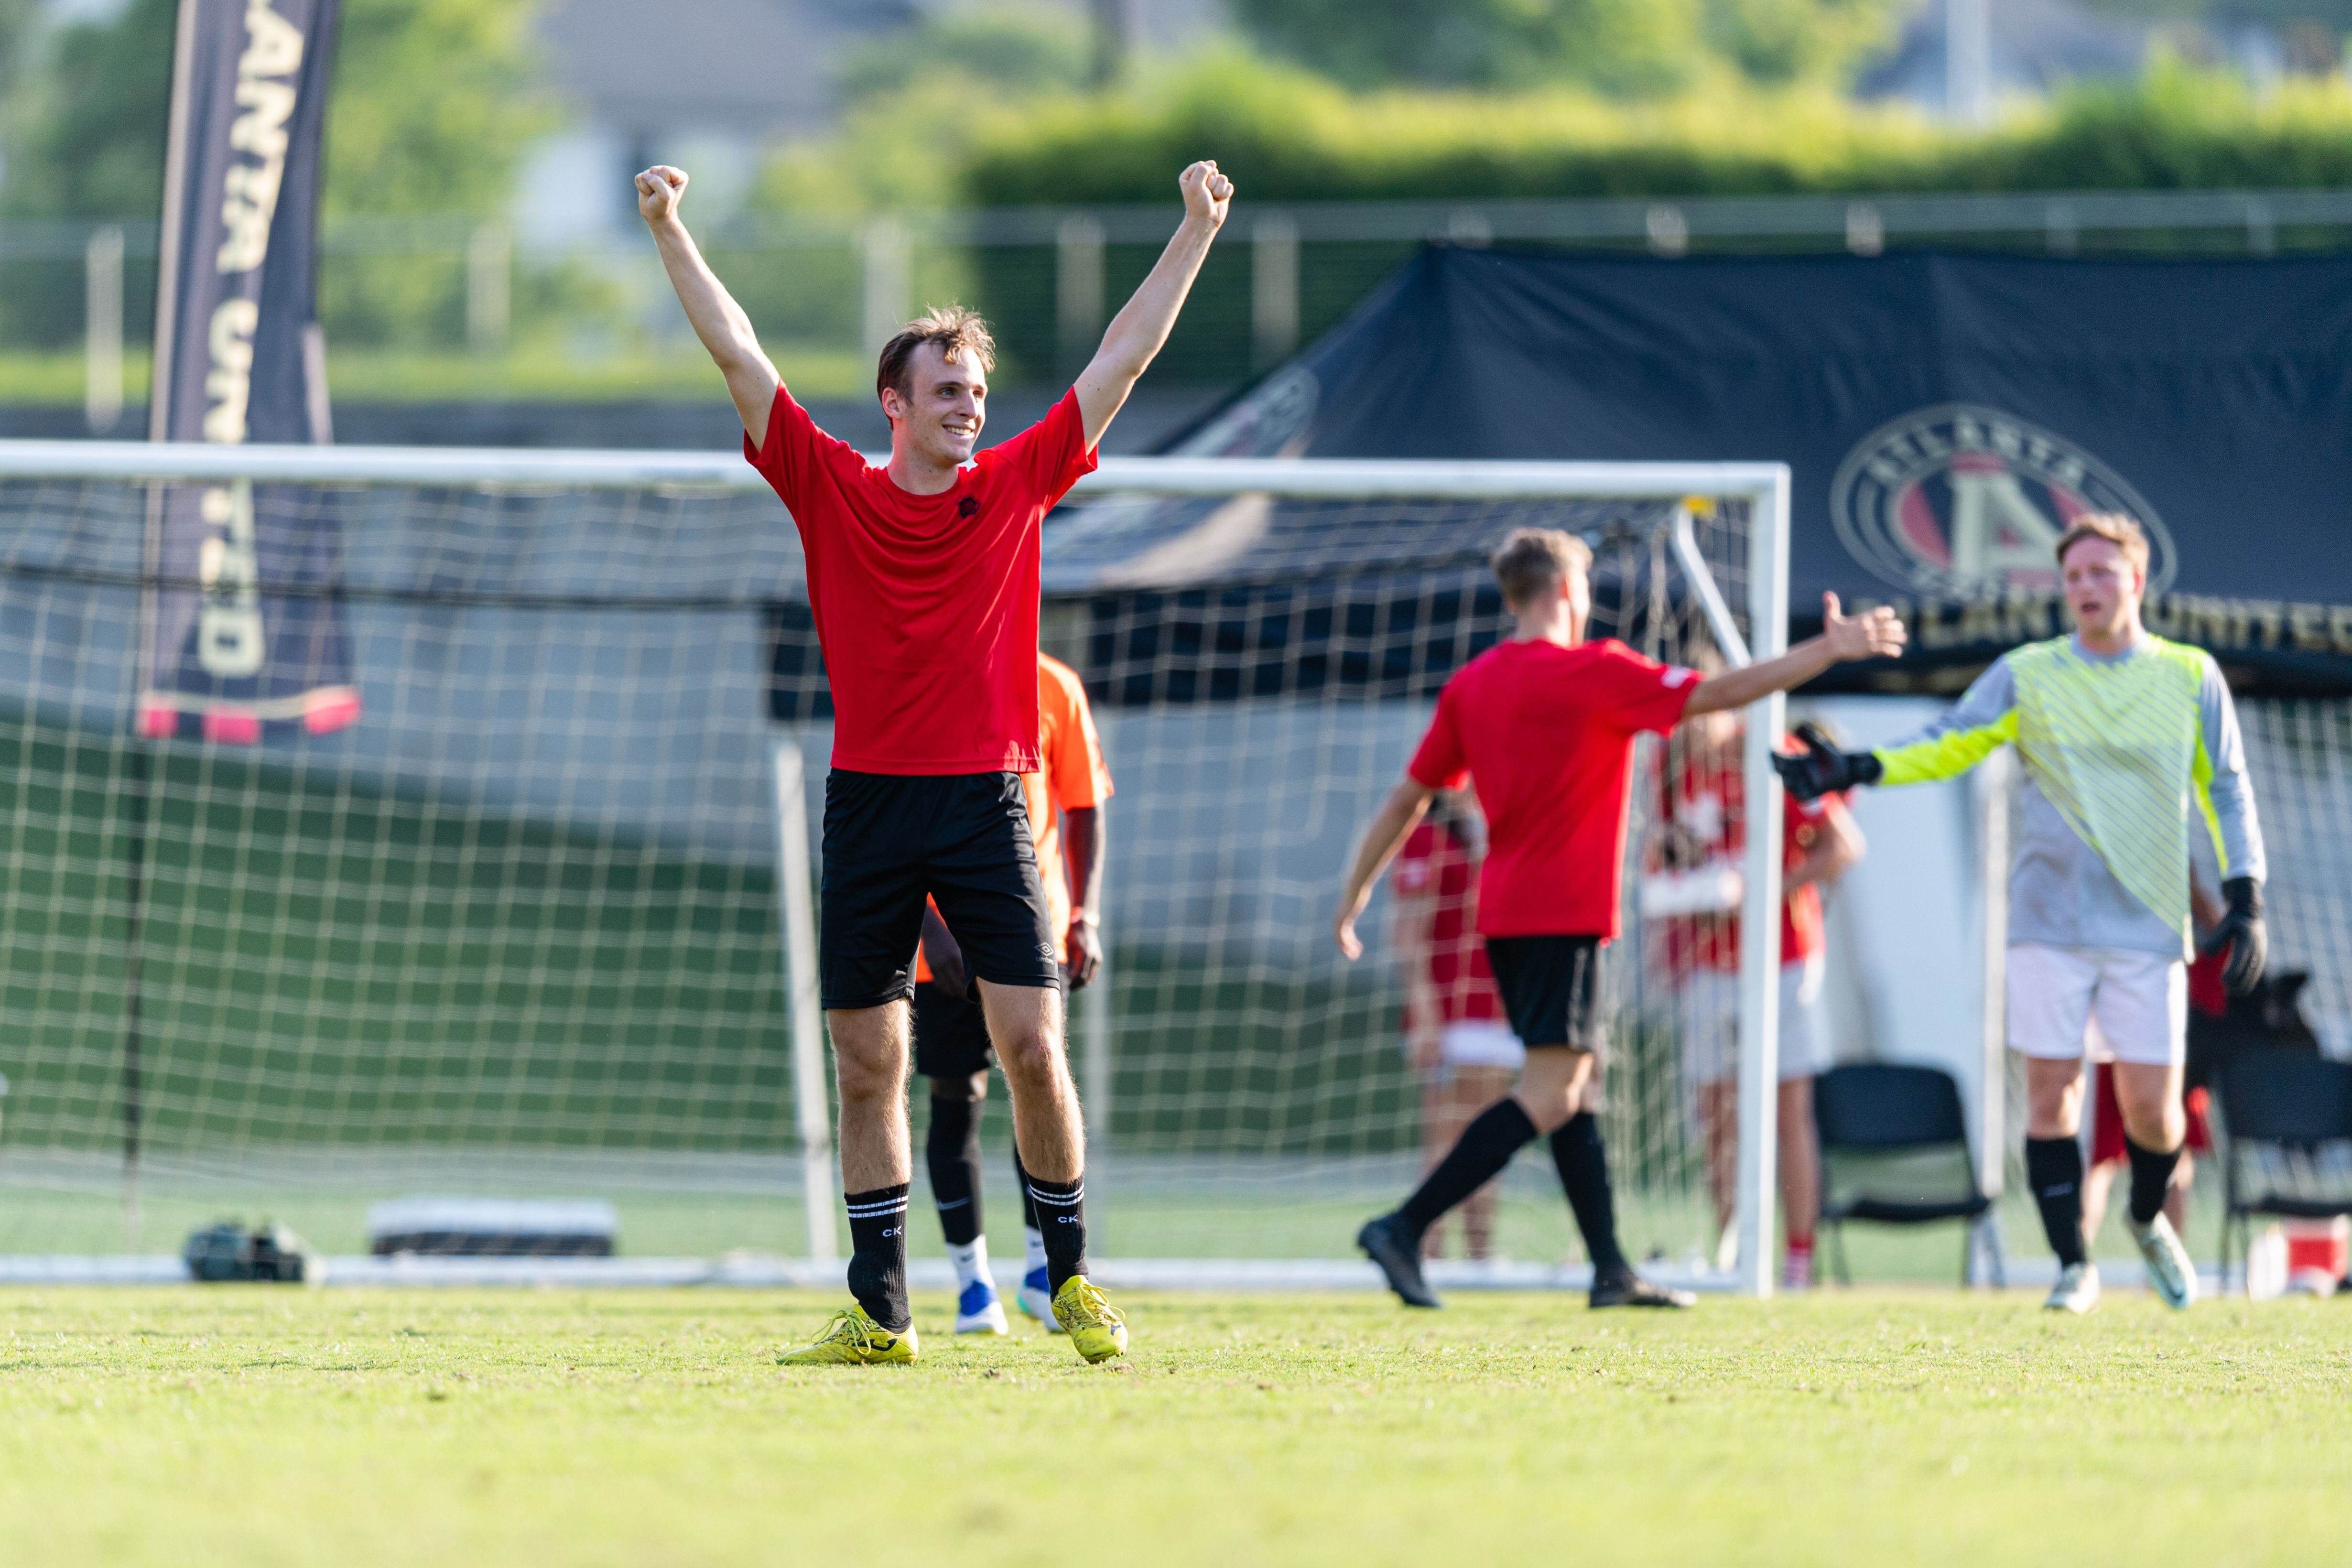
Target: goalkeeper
{"points": [[2122, 735]]}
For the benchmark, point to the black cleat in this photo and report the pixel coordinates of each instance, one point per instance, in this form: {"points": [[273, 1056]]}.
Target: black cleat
{"points": [[1624, 1288], [1384, 1243]]}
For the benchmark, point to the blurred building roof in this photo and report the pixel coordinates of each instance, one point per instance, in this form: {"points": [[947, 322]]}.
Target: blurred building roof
{"points": [[758, 66], [2035, 45]]}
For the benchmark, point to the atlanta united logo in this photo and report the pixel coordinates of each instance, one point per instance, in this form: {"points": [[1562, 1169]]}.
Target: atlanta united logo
{"points": [[1961, 501]]}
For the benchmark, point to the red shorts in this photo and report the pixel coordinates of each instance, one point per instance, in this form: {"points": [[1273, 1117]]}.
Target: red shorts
{"points": [[2107, 1121]]}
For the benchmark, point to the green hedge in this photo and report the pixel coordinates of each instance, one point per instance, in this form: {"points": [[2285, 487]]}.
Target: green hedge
{"points": [[1288, 137]]}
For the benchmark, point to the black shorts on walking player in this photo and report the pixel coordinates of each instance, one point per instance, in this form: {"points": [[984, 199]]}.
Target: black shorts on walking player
{"points": [[960, 838], [950, 1034], [1550, 987]]}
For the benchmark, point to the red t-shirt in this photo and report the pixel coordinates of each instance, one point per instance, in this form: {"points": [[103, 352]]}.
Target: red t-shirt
{"points": [[1547, 733], [1433, 865], [1708, 804], [926, 605]]}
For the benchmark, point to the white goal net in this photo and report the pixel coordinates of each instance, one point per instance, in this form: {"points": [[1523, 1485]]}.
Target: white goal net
{"points": [[519, 932]]}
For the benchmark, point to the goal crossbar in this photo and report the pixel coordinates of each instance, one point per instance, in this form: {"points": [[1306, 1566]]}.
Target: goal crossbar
{"points": [[1297, 477]]}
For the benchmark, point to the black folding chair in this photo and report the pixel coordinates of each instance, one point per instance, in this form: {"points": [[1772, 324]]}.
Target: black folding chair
{"points": [[1894, 1151], [2286, 1126]]}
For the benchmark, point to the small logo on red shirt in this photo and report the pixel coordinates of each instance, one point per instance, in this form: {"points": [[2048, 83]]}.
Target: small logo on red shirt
{"points": [[967, 507]]}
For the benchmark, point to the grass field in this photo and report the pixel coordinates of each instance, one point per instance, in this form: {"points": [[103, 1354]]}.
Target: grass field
{"points": [[261, 1425]]}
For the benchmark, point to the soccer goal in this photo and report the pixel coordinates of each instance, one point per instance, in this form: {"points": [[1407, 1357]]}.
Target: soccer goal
{"points": [[539, 925]]}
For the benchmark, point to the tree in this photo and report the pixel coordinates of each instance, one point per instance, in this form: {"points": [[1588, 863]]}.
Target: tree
{"points": [[432, 104], [1628, 47]]}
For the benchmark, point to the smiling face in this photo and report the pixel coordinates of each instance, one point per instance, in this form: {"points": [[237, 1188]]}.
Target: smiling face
{"points": [[937, 415], [2103, 587]]}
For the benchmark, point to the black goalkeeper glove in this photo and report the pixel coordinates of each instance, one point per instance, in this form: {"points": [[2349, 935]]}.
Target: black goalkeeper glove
{"points": [[2242, 933], [1822, 768]]}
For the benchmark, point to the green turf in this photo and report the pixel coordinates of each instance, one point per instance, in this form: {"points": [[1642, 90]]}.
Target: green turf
{"points": [[260, 1426]]}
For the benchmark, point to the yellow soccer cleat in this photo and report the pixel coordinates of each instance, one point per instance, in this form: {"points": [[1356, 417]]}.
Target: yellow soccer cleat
{"points": [[1096, 1331], [853, 1339]]}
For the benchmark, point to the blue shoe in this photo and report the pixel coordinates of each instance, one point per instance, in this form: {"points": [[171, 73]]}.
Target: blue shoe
{"points": [[1037, 1301], [979, 1311]]}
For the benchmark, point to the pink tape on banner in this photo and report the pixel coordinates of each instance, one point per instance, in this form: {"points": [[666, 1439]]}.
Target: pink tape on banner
{"points": [[332, 710], [233, 728]]}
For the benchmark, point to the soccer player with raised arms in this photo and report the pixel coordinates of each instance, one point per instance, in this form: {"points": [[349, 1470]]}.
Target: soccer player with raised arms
{"points": [[923, 579], [2126, 738], [1543, 724]]}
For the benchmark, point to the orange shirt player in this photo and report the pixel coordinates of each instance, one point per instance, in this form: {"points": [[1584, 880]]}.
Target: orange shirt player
{"points": [[951, 1044]]}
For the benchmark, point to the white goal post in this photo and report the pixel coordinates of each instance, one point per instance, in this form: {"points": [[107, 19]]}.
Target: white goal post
{"points": [[32, 471]]}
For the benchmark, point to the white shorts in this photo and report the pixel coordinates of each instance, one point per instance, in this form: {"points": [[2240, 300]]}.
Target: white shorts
{"points": [[1480, 1042], [1706, 1005], [2066, 1003]]}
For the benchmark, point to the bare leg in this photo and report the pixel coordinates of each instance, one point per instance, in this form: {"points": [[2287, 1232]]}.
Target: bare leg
{"points": [[1552, 1085], [1801, 1158], [2053, 1097], [1442, 1121], [1026, 1022], [2151, 1098], [2175, 1196], [1472, 1089], [1718, 1117], [2098, 1185], [870, 1048]]}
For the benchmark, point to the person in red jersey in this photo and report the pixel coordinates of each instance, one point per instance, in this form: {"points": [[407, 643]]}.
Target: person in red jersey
{"points": [[1703, 836], [923, 578], [1543, 724], [1457, 1042]]}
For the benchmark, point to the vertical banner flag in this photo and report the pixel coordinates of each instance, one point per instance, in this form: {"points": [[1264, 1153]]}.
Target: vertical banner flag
{"points": [[239, 358]]}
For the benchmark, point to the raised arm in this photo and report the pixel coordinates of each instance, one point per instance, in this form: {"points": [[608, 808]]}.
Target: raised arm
{"points": [[1140, 328], [1875, 635], [719, 321], [1388, 827]]}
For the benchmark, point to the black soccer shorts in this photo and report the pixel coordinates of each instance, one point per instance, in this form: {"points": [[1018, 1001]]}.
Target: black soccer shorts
{"points": [[1551, 989], [950, 1034], [960, 838]]}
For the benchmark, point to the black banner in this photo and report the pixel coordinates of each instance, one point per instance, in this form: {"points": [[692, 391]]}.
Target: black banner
{"points": [[1943, 415], [239, 358]]}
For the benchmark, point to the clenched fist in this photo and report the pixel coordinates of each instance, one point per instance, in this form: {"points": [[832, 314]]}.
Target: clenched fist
{"points": [[658, 189], [1207, 193]]}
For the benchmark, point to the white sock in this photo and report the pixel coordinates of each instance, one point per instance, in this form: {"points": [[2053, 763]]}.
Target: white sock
{"points": [[1035, 1257], [971, 1262]]}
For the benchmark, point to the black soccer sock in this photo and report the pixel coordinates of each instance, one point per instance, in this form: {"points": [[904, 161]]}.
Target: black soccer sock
{"points": [[1062, 1205], [2054, 1168], [2151, 1177], [1583, 1163], [952, 1151], [1477, 1156], [878, 1256]]}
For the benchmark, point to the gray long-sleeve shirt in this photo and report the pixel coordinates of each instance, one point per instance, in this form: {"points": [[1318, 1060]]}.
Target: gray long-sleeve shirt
{"points": [[2062, 891]]}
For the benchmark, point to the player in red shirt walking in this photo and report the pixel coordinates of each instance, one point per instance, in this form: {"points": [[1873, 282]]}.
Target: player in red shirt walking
{"points": [[1544, 723], [923, 578]]}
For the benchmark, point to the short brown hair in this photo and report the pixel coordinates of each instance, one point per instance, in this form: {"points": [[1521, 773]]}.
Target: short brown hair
{"points": [[954, 328], [2118, 530], [1532, 559]]}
